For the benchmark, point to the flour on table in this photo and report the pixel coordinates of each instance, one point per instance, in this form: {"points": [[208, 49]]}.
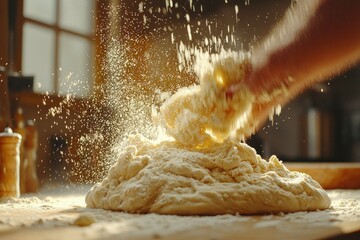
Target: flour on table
{"points": [[202, 170]]}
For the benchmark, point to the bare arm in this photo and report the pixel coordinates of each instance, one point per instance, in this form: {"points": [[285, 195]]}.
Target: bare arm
{"points": [[316, 39]]}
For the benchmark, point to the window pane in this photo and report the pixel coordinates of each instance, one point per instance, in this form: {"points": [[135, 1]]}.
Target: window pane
{"points": [[41, 10], [77, 15], [75, 65], [38, 56]]}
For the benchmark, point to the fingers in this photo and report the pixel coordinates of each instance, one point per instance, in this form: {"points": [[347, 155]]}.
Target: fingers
{"points": [[229, 92], [237, 84]]}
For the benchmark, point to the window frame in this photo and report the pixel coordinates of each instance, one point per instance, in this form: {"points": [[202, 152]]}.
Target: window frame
{"points": [[22, 20]]}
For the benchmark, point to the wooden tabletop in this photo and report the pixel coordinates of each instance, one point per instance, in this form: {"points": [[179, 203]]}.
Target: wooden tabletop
{"points": [[52, 215], [331, 175]]}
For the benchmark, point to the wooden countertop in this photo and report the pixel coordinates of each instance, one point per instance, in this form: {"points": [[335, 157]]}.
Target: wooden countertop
{"points": [[51, 215], [331, 175]]}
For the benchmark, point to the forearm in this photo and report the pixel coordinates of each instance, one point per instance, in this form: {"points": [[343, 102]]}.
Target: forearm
{"points": [[315, 40]]}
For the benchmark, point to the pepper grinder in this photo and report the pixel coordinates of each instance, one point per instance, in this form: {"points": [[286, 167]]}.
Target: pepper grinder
{"points": [[31, 146], [9, 163], [19, 127]]}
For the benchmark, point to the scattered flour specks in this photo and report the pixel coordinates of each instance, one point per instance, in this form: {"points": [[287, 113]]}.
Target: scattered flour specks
{"points": [[27, 216]]}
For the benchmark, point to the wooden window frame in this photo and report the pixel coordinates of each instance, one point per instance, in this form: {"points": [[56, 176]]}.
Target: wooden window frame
{"points": [[22, 19]]}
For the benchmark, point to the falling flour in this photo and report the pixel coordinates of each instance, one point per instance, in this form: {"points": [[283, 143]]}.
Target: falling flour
{"points": [[203, 113], [202, 170]]}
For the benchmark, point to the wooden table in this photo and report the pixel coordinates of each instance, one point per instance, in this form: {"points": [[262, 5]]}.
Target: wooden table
{"points": [[51, 215], [331, 175]]}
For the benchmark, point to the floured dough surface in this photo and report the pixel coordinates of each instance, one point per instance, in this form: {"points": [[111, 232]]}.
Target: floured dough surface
{"points": [[223, 178]]}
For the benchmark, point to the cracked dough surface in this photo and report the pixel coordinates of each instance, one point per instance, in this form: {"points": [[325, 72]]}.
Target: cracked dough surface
{"points": [[202, 171], [226, 178]]}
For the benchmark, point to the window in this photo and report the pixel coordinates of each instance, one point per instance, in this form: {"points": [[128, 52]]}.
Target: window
{"points": [[57, 45]]}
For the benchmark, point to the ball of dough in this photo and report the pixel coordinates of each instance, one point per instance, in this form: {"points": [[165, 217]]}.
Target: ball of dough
{"points": [[84, 220], [226, 178]]}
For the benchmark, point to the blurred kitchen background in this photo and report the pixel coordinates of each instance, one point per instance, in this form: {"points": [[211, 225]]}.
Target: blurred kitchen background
{"points": [[53, 49]]}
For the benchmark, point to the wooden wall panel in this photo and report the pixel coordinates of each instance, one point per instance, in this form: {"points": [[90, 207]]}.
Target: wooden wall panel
{"points": [[4, 59]]}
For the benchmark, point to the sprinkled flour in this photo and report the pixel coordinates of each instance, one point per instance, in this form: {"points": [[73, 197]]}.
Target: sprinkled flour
{"points": [[52, 216], [203, 113]]}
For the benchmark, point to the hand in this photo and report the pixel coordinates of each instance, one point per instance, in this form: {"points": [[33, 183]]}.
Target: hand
{"points": [[264, 84]]}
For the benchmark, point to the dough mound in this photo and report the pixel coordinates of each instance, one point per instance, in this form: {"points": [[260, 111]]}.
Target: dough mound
{"points": [[226, 178]]}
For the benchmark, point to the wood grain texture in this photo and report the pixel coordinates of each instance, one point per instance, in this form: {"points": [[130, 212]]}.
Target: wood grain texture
{"points": [[331, 175]]}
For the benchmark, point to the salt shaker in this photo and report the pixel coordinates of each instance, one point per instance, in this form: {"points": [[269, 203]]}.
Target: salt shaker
{"points": [[9, 163]]}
